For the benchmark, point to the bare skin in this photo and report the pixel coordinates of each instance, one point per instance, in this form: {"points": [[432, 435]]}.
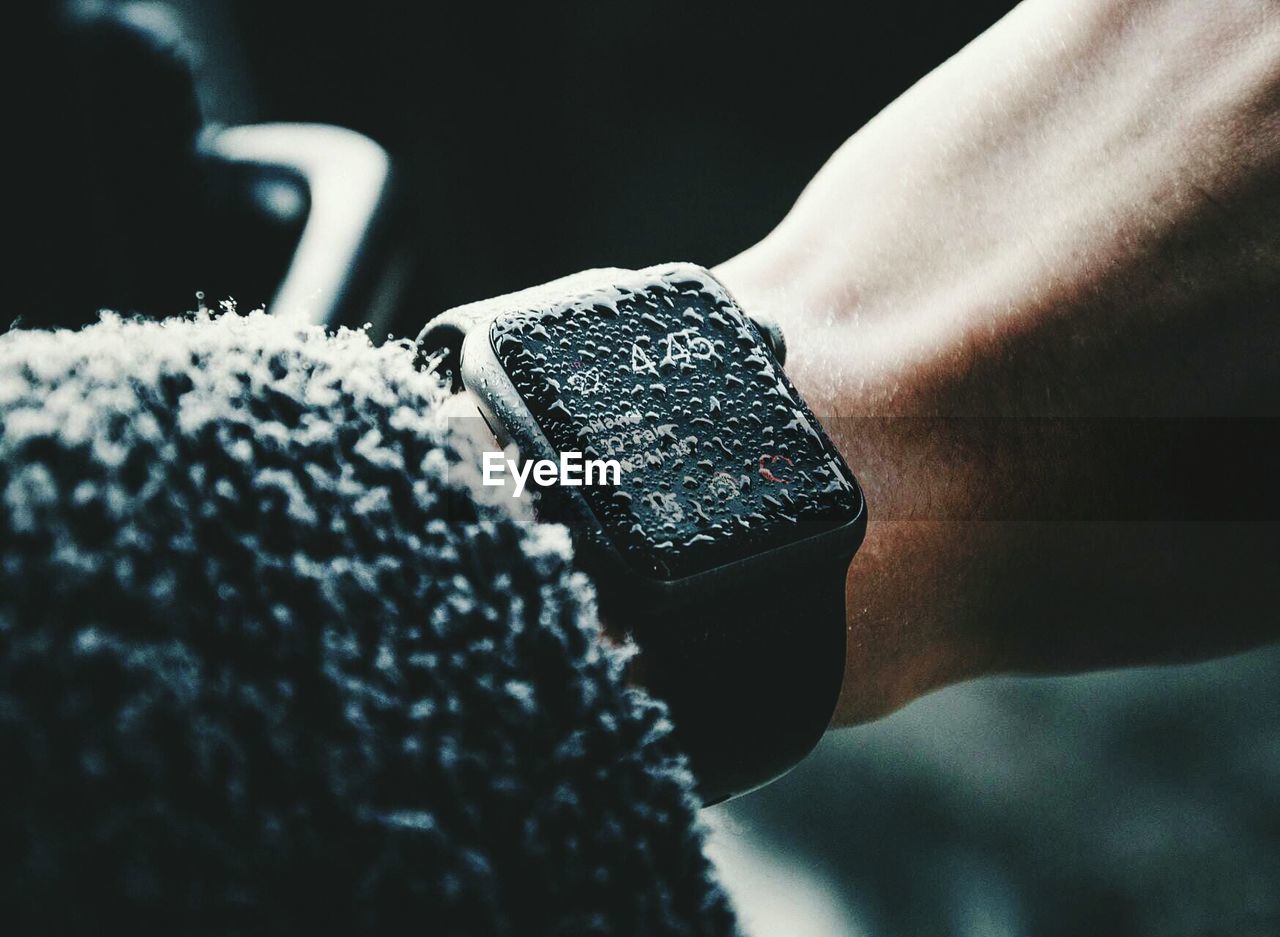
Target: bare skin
{"points": [[1074, 221]]}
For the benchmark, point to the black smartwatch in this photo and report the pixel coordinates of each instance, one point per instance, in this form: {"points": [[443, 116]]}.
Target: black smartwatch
{"points": [[721, 521]]}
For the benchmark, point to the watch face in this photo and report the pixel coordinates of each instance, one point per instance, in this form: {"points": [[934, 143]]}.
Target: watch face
{"points": [[720, 458]]}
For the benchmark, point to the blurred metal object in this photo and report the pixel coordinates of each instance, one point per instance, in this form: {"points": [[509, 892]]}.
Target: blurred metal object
{"points": [[335, 272]]}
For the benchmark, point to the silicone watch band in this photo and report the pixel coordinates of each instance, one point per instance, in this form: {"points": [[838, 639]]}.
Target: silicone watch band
{"points": [[751, 678]]}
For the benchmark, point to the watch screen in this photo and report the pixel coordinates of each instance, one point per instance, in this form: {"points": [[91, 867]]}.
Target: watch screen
{"points": [[720, 458]]}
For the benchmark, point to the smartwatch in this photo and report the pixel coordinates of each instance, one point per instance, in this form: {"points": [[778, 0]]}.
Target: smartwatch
{"points": [[719, 532]]}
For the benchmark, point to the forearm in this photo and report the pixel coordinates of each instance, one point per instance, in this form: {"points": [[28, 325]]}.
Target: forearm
{"points": [[1073, 218]]}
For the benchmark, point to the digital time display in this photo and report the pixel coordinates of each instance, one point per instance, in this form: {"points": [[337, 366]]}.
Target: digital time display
{"points": [[720, 457]]}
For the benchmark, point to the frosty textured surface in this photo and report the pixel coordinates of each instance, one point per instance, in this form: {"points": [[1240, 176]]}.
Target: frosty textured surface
{"points": [[266, 665]]}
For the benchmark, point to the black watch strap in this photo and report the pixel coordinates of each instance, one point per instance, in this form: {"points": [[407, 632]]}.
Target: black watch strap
{"points": [[751, 678]]}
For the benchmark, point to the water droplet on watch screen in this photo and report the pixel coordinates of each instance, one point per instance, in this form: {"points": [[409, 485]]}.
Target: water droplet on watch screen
{"points": [[691, 442]]}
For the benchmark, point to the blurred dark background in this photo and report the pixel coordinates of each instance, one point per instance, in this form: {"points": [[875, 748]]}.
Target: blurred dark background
{"points": [[528, 140], [531, 141], [539, 139]]}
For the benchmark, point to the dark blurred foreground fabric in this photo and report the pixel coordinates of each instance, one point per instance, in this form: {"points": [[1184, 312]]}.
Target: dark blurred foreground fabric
{"points": [[268, 664]]}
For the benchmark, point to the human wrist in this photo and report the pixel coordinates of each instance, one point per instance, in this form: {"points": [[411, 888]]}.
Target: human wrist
{"points": [[1018, 240], [906, 635]]}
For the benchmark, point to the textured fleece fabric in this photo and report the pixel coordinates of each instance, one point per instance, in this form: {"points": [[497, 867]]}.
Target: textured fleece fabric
{"points": [[268, 664]]}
